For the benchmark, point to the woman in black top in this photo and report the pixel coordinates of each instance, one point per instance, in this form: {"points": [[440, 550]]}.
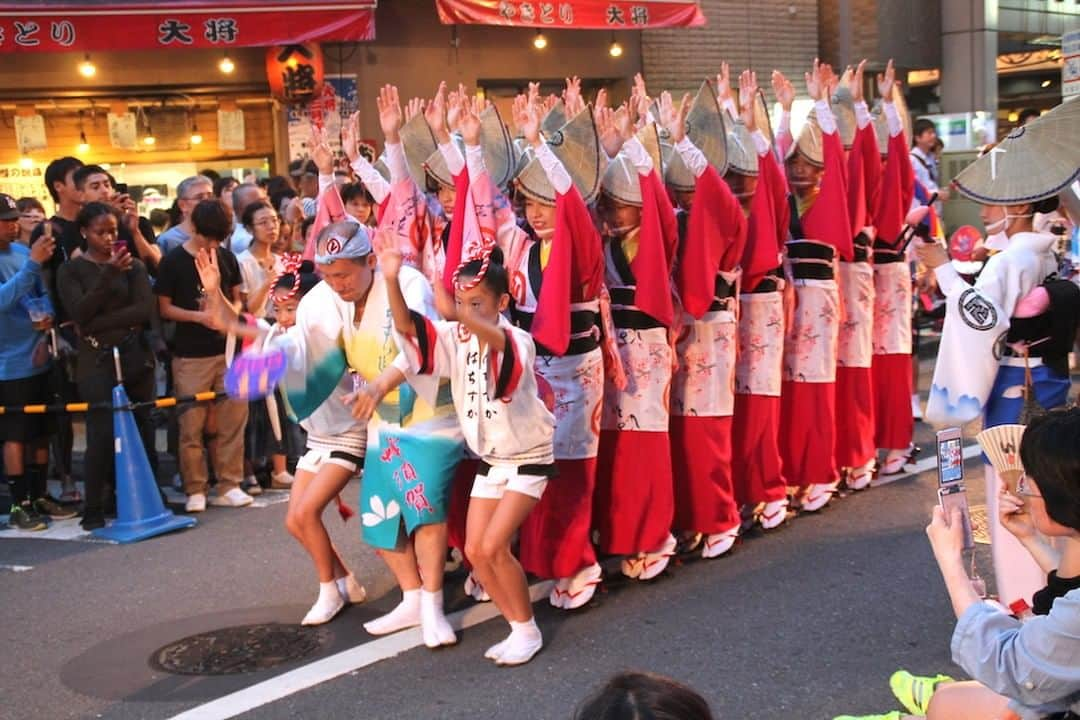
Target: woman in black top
{"points": [[106, 292]]}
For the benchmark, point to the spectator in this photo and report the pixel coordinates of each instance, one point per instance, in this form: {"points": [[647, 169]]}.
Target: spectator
{"points": [[223, 189], [308, 185], [31, 213], [159, 220], [106, 292], [212, 175], [25, 312], [189, 193], [95, 185], [923, 138], [279, 189], [1027, 115], [242, 196], [359, 203], [644, 696], [259, 264], [198, 362]]}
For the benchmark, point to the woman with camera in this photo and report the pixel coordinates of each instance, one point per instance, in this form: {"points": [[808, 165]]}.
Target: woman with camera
{"points": [[106, 292]]}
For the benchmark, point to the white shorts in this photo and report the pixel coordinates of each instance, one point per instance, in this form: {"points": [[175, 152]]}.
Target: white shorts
{"points": [[492, 482], [345, 450]]}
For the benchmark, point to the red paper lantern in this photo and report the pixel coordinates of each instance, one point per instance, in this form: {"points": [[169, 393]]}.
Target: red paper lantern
{"points": [[295, 72]]}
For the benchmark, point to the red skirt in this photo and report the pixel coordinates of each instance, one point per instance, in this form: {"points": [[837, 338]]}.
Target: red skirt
{"points": [[755, 458], [894, 423], [460, 491], [808, 433], [701, 464], [554, 540], [634, 502], [854, 417]]}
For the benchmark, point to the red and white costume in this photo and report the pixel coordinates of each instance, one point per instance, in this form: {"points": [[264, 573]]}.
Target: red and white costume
{"points": [[634, 503], [556, 287], [808, 398], [855, 449], [703, 387], [895, 425]]}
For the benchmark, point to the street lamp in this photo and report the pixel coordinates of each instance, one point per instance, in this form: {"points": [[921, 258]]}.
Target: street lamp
{"points": [[86, 68], [615, 50], [226, 65], [540, 41]]}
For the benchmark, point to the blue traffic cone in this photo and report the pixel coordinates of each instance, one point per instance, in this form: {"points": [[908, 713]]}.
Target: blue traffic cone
{"points": [[140, 512]]}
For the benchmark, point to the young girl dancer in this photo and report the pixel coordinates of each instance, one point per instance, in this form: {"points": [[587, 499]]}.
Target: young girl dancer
{"points": [[489, 363]]}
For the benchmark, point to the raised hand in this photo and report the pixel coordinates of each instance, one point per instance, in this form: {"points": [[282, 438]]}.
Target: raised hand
{"points": [[829, 78], [639, 88], [608, 131], [783, 90], [624, 122], [414, 107], [855, 82], [44, 246], [206, 264], [674, 118], [470, 120], [815, 82], [886, 81], [453, 108], [748, 89], [390, 115], [386, 249], [350, 145], [321, 154], [435, 114], [723, 83], [528, 122], [601, 98], [572, 96]]}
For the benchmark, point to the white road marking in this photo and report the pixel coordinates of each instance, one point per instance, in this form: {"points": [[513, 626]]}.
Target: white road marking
{"points": [[16, 568], [925, 464], [344, 662]]}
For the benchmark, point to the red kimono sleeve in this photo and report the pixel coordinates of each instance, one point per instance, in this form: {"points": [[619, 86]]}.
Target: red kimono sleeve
{"points": [[897, 191], [856, 186], [457, 231], [715, 235], [866, 140], [658, 239], [764, 227], [828, 220]]}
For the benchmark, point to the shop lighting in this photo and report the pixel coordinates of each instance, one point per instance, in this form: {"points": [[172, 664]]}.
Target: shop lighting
{"points": [[226, 65], [86, 68], [26, 162], [615, 49], [1046, 83], [84, 146], [540, 41]]}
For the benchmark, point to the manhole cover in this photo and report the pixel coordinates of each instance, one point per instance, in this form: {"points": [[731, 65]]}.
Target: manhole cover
{"points": [[243, 649]]}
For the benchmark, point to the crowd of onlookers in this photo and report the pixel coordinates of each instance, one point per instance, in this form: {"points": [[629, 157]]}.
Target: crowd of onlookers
{"points": [[97, 275]]}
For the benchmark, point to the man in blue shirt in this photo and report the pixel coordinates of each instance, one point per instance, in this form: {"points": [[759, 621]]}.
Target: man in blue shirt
{"points": [[25, 313]]}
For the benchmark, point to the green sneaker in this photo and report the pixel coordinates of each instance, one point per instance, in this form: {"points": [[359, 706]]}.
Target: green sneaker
{"points": [[914, 692], [25, 519], [894, 715]]}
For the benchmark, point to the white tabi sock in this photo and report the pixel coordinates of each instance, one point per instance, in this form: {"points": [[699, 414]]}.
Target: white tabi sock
{"points": [[436, 628], [327, 606], [524, 642], [405, 615]]}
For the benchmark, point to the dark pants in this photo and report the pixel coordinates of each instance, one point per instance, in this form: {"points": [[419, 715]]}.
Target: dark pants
{"points": [[97, 377]]}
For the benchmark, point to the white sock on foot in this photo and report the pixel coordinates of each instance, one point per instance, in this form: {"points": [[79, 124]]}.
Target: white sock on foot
{"points": [[350, 589], [405, 615], [524, 642], [326, 607], [436, 628]]}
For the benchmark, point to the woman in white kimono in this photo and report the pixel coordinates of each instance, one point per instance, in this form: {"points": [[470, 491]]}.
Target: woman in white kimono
{"points": [[1017, 317]]}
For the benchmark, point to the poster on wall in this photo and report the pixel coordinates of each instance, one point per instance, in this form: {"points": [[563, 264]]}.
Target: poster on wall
{"points": [[337, 102], [231, 129], [30, 133], [123, 131], [1070, 66], [21, 181]]}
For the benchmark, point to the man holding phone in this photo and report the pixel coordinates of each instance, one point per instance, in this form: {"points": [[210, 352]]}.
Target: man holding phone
{"points": [[136, 233]]}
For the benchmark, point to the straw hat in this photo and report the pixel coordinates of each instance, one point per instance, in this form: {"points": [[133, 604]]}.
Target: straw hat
{"points": [[1034, 162], [381, 167], [649, 137], [577, 147], [809, 144], [419, 144], [761, 117], [496, 146], [705, 127], [621, 181], [741, 151], [554, 119], [677, 175]]}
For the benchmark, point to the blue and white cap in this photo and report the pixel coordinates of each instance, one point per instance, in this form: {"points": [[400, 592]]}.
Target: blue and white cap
{"points": [[342, 241]]}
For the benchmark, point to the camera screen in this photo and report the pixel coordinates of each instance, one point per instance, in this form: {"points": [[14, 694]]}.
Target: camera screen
{"points": [[950, 461]]}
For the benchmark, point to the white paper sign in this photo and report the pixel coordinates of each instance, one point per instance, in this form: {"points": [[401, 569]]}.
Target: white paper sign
{"points": [[122, 131], [231, 130], [30, 133], [1070, 67]]}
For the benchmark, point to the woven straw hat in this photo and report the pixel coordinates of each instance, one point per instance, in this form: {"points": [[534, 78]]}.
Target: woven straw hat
{"points": [[496, 146], [676, 175], [621, 181], [741, 151], [843, 107], [762, 119], [1034, 162], [578, 148], [705, 127], [419, 144], [809, 144], [554, 120]]}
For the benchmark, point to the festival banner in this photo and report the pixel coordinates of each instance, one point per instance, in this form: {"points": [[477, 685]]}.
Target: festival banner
{"points": [[572, 14], [97, 25]]}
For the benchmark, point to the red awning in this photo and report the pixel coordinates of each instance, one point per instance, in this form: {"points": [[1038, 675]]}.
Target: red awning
{"points": [[95, 25], [573, 14]]}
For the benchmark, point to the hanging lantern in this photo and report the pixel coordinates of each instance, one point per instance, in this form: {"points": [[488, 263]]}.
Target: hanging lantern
{"points": [[295, 72]]}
